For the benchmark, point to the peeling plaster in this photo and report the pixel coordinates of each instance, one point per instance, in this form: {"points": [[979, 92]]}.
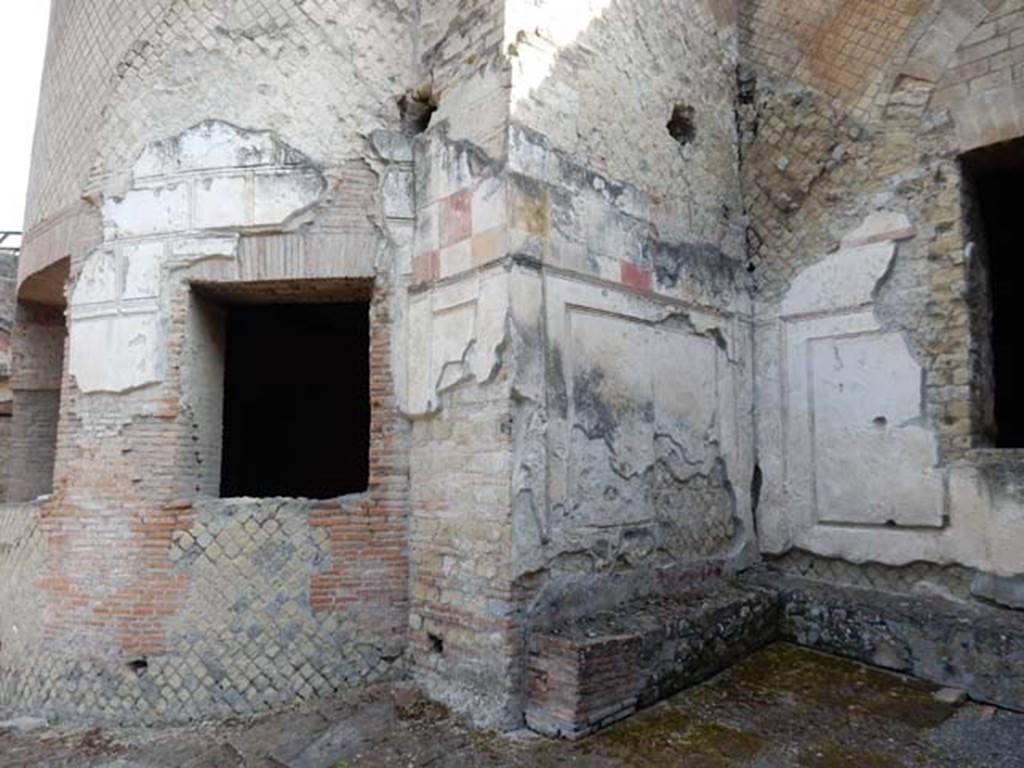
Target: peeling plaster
{"points": [[212, 177]]}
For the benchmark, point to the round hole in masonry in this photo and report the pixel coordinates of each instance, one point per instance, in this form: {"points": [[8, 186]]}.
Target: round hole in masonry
{"points": [[417, 108], [880, 421], [138, 666], [436, 643], [682, 126]]}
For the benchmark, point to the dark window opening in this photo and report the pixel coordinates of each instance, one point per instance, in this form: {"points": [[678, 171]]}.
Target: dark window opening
{"points": [[994, 179], [296, 401]]}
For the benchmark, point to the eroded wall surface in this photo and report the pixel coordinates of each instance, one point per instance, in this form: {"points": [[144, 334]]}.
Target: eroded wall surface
{"points": [[633, 452], [579, 336], [190, 155], [8, 281], [874, 377], [651, 284]]}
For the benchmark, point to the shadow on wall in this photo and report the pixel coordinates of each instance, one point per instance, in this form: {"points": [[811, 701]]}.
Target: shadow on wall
{"points": [[38, 368]]}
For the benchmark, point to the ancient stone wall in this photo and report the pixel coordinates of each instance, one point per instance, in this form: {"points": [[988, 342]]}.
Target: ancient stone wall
{"points": [[874, 376], [8, 281], [248, 608], [197, 195], [463, 627], [592, 256], [633, 452], [579, 424]]}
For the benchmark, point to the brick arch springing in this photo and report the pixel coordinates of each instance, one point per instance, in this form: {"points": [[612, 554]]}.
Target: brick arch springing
{"points": [[967, 57]]}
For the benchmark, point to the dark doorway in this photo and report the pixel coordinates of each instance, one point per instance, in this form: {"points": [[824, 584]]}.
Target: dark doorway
{"points": [[994, 179], [297, 401]]}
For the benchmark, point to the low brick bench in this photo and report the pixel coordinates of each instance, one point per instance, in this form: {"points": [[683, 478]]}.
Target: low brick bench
{"points": [[587, 674]]}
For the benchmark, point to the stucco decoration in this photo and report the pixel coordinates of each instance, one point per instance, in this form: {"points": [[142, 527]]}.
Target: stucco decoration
{"points": [[844, 437], [212, 177]]}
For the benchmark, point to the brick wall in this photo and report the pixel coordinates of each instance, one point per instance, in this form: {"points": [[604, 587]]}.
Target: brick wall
{"points": [[136, 548], [8, 279], [989, 58], [232, 606], [591, 673], [463, 640], [252, 608], [39, 340]]}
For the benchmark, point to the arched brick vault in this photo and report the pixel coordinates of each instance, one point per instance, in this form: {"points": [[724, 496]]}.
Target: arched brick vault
{"points": [[853, 108], [470, 465], [882, 58], [981, 80], [846, 119]]}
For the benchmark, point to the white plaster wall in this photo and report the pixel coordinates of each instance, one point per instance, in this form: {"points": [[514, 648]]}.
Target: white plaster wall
{"points": [[456, 333], [212, 177], [851, 463], [633, 451], [600, 78], [118, 76]]}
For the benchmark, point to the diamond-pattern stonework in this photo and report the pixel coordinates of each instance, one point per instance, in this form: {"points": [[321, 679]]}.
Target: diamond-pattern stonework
{"points": [[119, 74], [248, 638], [841, 47], [654, 291]]}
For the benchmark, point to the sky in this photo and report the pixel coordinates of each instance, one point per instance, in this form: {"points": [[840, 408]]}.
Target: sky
{"points": [[22, 47]]}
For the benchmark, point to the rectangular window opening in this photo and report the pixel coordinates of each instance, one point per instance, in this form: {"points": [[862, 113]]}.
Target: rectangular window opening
{"points": [[296, 400], [994, 178]]}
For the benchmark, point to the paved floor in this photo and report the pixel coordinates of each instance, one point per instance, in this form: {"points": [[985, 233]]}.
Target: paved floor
{"points": [[784, 706]]}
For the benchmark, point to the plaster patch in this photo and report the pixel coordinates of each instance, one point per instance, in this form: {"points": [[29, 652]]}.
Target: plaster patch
{"points": [[115, 353], [222, 202], [212, 144], [97, 282], [142, 270], [281, 195], [873, 464], [213, 176], [145, 212], [880, 227], [846, 278]]}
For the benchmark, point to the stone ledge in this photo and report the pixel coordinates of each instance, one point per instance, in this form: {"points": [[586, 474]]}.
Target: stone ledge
{"points": [[976, 648], [586, 675]]}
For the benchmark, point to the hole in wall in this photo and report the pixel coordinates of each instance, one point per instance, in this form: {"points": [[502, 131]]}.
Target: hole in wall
{"points": [[681, 125], [746, 80], [138, 666], [880, 421], [417, 108], [296, 400], [756, 485], [436, 643]]}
